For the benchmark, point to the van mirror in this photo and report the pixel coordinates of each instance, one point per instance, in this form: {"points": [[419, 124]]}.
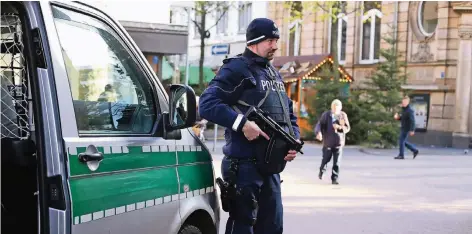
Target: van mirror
{"points": [[182, 106]]}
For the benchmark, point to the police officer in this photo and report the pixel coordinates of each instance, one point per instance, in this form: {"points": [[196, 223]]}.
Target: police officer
{"points": [[249, 77]]}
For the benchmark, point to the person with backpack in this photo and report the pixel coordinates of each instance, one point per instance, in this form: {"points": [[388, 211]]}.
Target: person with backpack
{"points": [[331, 129], [244, 81]]}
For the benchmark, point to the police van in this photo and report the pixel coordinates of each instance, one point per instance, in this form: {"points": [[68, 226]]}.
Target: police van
{"points": [[91, 140]]}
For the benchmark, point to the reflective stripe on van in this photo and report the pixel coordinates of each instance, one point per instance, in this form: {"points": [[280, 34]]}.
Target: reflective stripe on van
{"points": [[131, 178], [140, 205]]}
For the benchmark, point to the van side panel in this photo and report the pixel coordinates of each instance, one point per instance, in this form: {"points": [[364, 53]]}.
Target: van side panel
{"points": [[134, 189], [143, 184], [196, 171], [139, 183], [127, 178]]}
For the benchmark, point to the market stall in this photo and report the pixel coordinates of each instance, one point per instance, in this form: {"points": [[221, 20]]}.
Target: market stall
{"points": [[300, 74]]}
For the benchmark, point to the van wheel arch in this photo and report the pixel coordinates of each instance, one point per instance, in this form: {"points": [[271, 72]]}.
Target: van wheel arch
{"points": [[201, 220]]}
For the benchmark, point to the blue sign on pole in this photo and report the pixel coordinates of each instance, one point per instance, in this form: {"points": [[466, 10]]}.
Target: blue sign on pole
{"points": [[222, 49]]}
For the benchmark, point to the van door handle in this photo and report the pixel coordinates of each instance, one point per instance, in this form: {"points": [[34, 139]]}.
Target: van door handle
{"points": [[92, 157], [87, 157]]}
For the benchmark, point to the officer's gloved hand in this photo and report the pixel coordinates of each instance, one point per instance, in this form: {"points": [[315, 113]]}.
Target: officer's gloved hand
{"points": [[252, 131], [292, 154]]}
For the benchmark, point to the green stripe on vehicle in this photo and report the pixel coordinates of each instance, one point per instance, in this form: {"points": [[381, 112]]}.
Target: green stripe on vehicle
{"points": [[100, 197], [195, 176], [104, 192], [186, 157], [131, 178], [118, 158]]}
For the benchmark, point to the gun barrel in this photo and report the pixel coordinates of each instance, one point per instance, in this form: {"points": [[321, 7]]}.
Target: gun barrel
{"points": [[220, 183], [295, 145]]}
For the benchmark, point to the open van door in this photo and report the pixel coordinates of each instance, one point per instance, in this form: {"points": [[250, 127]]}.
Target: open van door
{"points": [[95, 121], [31, 136], [120, 174]]}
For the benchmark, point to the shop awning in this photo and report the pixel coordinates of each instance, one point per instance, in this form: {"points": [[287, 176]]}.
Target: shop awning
{"points": [[158, 38], [193, 78]]}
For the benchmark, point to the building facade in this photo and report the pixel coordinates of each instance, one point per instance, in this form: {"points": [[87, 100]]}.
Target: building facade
{"points": [[163, 44], [230, 29], [434, 39]]}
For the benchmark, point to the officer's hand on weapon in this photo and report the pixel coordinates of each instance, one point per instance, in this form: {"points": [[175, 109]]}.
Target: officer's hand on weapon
{"points": [[291, 154], [252, 131]]}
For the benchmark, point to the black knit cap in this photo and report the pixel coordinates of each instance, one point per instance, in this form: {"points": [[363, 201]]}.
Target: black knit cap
{"points": [[261, 29]]}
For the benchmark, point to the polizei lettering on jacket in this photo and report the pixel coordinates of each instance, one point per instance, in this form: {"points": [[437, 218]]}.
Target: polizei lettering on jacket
{"points": [[272, 84]]}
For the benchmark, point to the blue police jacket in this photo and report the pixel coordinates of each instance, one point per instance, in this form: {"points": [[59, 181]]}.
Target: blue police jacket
{"points": [[245, 77]]}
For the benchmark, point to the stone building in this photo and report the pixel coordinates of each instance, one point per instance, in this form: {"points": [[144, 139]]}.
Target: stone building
{"points": [[435, 39]]}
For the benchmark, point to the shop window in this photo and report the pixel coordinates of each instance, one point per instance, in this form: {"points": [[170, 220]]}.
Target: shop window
{"points": [[420, 104]]}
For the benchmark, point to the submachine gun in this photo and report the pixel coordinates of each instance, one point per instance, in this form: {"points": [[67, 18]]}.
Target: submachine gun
{"points": [[228, 189], [267, 124]]}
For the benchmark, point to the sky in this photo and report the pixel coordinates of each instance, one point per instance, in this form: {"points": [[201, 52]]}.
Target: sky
{"points": [[136, 10]]}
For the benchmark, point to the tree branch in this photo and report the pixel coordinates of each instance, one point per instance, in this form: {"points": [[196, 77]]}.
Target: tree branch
{"points": [[211, 10], [197, 25], [322, 8], [194, 21], [218, 20], [353, 11]]}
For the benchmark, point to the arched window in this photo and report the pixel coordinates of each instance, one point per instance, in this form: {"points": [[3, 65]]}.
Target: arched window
{"points": [[370, 41], [338, 33], [295, 30], [428, 17]]}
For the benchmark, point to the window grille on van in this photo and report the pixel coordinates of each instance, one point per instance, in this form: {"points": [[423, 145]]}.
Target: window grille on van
{"points": [[14, 79]]}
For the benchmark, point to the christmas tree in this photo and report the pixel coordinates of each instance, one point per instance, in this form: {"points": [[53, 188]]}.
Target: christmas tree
{"points": [[383, 96]]}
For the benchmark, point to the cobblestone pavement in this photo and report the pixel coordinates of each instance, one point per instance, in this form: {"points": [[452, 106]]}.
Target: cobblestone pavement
{"points": [[377, 194]]}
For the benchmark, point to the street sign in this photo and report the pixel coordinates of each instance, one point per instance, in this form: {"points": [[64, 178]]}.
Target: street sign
{"points": [[221, 49]]}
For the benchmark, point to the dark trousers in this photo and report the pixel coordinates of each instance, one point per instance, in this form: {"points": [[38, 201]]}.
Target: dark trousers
{"points": [[258, 209], [403, 142], [336, 154]]}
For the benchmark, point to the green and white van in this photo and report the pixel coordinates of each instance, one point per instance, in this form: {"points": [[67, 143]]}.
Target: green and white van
{"points": [[91, 140]]}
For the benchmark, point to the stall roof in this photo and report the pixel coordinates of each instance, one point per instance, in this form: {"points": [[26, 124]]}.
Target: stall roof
{"points": [[316, 59], [294, 67]]}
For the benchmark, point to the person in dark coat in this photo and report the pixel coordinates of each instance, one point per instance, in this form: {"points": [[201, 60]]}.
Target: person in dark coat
{"points": [[250, 78], [407, 119], [331, 129]]}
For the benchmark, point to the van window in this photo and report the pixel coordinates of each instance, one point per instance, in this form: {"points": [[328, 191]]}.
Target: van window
{"points": [[110, 92]]}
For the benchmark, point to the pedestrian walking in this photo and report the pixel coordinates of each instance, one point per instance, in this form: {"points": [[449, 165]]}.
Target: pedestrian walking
{"points": [[245, 80], [331, 129], [407, 120]]}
